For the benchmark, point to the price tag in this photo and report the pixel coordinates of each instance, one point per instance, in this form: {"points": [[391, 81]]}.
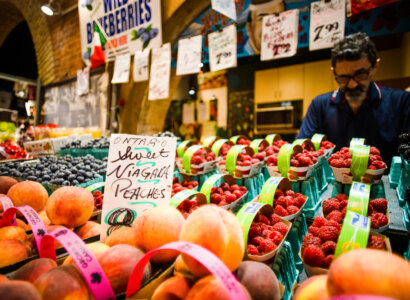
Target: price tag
{"points": [[231, 158], [211, 262], [359, 198], [85, 260], [356, 142], [272, 137], [354, 233], [189, 55], [160, 72], [141, 63], [222, 49], [209, 140], [360, 160], [317, 140], [267, 193], [122, 68], [7, 203], [216, 147], [139, 177], [327, 23], [186, 159]]}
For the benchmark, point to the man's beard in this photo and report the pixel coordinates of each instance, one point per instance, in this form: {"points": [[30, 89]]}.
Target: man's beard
{"points": [[354, 95]]}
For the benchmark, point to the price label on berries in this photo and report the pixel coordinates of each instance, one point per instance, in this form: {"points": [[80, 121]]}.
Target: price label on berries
{"points": [[181, 196], [356, 142], [209, 140], [359, 198], [354, 233], [327, 23], [222, 49], [284, 155], [232, 157], [317, 140], [271, 138], [360, 160], [246, 215], [139, 177], [186, 159], [267, 193]]}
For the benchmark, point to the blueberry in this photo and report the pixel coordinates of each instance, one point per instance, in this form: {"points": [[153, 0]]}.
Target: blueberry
{"points": [[80, 178], [75, 182]]}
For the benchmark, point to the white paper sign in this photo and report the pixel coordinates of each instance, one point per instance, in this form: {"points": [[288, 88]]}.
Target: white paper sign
{"points": [[160, 72], [225, 7], [189, 55], [83, 81], [140, 71], [327, 23], [188, 113], [280, 35], [121, 69], [203, 111], [139, 177], [222, 49]]}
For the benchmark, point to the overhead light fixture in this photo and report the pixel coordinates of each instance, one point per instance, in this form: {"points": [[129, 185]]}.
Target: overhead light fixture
{"points": [[54, 8], [46, 8]]}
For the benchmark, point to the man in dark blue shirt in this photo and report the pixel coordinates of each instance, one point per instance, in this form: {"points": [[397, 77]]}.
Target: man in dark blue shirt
{"points": [[359, 107]]}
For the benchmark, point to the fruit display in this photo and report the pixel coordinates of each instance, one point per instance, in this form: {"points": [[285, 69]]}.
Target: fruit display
{"points": [[184, 185], [98, 200], [246, 164], [327, 145], [11, 150], [288, 204], [335, 209], [187, 206], [99, 143], [202, 161], [226, 194], [243, 141]]}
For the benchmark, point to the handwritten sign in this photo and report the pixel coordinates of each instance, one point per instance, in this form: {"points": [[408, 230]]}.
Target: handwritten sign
{"points": [[280, 35], [222, 49], [139, 177], [160, 72], [327, 23], [83, 81], [121, 69], [188, 113], [140, 71], [189, 55], [225, 7]]}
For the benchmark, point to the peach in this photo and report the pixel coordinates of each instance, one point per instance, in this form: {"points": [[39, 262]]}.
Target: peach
{"points": [[6, 183], [89, 229], [63, 282], [260, 280], [3, 279], [314, 288], [118, 263], [12, 251], [44, 218], [70, 206], [181, 269], [375, 272], [33, 269], [156, 227], [217, 230], [17, 290], [210, 287], [28, 193], [22, 224], [123, 235], [49, 228], [97, 248], [13, 233], [174, 288]]}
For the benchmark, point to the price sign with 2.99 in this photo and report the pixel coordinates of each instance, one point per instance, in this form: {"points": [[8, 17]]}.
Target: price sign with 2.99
{"points": [[327, 23]]}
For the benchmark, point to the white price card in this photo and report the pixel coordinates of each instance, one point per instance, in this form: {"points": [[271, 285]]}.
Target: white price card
{"points": [[139, 177], [83, 81], [121, 68], [327, 23], [280, 35], [188, 113], [222, 48], [189, 55], [225, 7], [160, 72], [140, 71]]}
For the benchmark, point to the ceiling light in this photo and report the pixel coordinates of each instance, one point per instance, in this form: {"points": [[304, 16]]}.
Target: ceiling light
{"points": [[47, 9], [52, 8]]}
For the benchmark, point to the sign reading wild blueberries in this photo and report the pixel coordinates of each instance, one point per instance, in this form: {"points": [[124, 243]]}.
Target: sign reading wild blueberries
{"points": [[139, 177]]}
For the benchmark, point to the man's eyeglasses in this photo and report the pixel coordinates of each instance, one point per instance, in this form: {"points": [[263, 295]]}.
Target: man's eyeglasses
{"points": [[359, 75]]}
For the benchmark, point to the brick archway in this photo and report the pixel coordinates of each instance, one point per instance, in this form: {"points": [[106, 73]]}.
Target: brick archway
{"points": [[12, 12]]}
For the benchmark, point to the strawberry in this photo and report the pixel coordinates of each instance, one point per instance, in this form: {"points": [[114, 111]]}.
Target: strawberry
{"points": [[281, 227], [319, 222], [328, 233], [313, 256], [379, 205], [328, 247]]}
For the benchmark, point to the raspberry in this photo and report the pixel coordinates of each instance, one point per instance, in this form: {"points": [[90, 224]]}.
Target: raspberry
{"points": [[292, 210], [330, 205], [328, 233], [333, 223], [289, 201], [379, 164], [267, 246], [304, 161], [341, 197], [314, 230], [374, 151], [276, 237], [278, 193], [263, 219], [299, 201], [281, 211], [370, 209], [371, 167], [337, 163], [348, 162], [343, 204], [328, 247], [290, 193], [328, 261], [319, 222], [274, 219], [376, 243], [308, 240], [253, 250], [281, 227], [254, 231], [378, 220], [313, 256], [336, 216], [294, 163], [266, 233], [344, 212], [282, 201], [379, 205], [257, 240]]}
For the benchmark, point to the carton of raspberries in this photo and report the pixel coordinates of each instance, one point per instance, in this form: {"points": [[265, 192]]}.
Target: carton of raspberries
{"points": [[341, 161], [266, 235], [221, 148], [335, 209], [240, 140], [187, 201], [247, 164], [197, 160], [319, 245], [327, 146], [185, 184]]}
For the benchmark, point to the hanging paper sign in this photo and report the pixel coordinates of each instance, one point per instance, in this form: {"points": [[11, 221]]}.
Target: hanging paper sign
{"points": [[360, 160], [225, 7], [354, 233], [267, 193], [327, 23], [129, 26], [188, 113], [83, 81], [317, 140], [280, 35], [122, 69], [272, 137], [160, 73], [189, 55], [139, 177], [359, 198], [140, 70], [222, 48]]}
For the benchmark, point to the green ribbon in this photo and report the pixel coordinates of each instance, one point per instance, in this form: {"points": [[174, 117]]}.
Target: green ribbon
{"points": [[284, 155], [359, 198], [208, 184], [299, 142], [186, 159], [216, 147], [270, 138], [267, 193], [246, 215], [255, 145], [181, 148], [354, 233], [209, 140], [231, 158], [235, 138], [181, 196], [317, 140], [359, 161]]}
